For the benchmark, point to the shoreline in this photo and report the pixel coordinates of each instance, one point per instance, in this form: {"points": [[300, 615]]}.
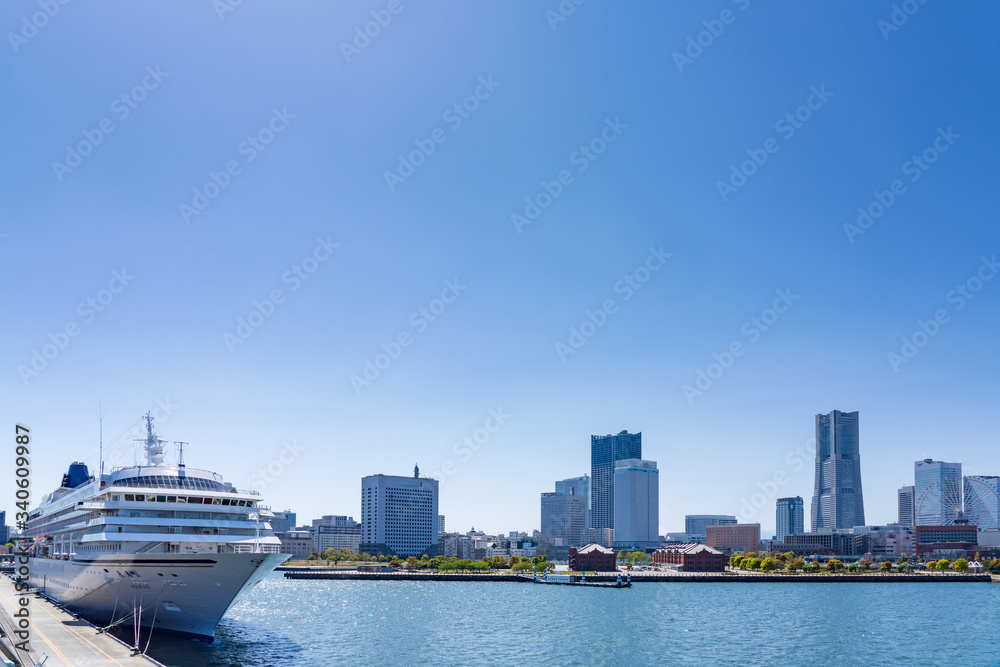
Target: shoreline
{"points": [[641, 577]]}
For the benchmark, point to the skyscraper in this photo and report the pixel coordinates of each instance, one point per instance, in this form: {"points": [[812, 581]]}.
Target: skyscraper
{"points": [[790, 517], [905, 505], [577, 486], [837, 499], [937, 492], [605, 450], [399, 515], [982, 501], [564, 516], [637, 504]]}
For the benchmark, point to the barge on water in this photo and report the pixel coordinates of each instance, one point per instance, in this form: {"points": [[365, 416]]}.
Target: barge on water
{"points": [[580, 580]]}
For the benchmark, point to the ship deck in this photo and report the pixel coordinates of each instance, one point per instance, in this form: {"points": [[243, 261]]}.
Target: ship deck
{"points": [[66, 640]]}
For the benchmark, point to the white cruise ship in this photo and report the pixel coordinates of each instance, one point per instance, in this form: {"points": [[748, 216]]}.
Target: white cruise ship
{"points": [[161, 545]]}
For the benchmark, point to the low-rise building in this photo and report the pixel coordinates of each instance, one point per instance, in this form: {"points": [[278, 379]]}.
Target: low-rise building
{"points": [[592, 557], [298, 543], [743, 537], [336, 532], [693, 557], [953, 541]]}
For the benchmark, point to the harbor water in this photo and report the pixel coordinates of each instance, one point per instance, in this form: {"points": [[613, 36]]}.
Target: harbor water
{"points": [[308, 622]]}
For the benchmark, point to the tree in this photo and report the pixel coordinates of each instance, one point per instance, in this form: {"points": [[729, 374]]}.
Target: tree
{"points": [[411, 563], [834, 565], [311, 557], [978, 558], [943, 564], [903, 567], [886, 566], [513, 561], [961, 565], [498, 562], [853, 567], [864, 564], [790, 556], [767, 565], [796, 564], [932, 565]]}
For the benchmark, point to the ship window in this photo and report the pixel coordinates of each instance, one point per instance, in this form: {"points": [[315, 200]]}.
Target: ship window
{"points": [[216, 501], [139, 498], [115, 497], [207, 501], [171, 499], [161, 499], [181, 499], [150, 499], [195, 499], [129, 496]]}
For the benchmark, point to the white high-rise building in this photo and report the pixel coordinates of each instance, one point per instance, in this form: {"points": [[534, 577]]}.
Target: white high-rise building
{"points": [[905, 505], [336, 532], [937, 493], [399, 515], [637, 504]]}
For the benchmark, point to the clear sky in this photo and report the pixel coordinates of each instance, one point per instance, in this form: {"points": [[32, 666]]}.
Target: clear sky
{"points": [[674, 169]]}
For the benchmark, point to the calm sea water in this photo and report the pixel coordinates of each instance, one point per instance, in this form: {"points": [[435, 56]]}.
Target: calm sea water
{"points": [[296, 622]]}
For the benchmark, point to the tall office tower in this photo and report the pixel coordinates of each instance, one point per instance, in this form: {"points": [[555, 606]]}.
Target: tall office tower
{"points": [[837, 499], [905, 505], [937, 493], [637, 504], [577, 486], [564, 516], [399, 515], [982, 501], [790, 517], [605, 450], [695, 524]]}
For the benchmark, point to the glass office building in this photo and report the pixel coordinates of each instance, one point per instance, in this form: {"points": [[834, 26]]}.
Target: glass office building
{"points": [[837, 501], [937, 493], [790, 517], [982, 501], [605, 450]]}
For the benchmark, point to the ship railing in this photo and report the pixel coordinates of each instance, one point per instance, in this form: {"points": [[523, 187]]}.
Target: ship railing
{"points": [[257, 548]]}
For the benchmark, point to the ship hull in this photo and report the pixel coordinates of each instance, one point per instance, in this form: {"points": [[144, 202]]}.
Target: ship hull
{"points": [[177, 593]]}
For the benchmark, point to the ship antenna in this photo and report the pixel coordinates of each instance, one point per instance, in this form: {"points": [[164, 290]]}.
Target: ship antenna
{"points": [[100, 455], [180, 452]]}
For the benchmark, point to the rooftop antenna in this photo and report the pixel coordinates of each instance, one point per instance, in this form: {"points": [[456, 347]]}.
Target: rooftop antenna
{"points": [[180, 452]]}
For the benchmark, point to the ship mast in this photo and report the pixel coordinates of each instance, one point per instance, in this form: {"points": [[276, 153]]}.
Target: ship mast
{"points": [[154, 445]]}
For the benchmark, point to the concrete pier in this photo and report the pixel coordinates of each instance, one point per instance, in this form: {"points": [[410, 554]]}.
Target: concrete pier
{"points": [[67, 641]]}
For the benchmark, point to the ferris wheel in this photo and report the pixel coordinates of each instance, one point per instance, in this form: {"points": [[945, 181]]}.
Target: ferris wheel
{"points": [[940, 502], [982, 504]]}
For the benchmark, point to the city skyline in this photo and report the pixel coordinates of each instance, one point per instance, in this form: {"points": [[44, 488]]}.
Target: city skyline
{"points": [[321, 320]]}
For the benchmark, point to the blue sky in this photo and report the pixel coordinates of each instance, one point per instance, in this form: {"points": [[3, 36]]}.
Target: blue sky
{"points": [[355, 255]]}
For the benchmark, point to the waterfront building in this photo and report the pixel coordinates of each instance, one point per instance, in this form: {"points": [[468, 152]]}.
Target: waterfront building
{"points": [[837, 501], [399, 515], [937, 493], [743, 537], [563, 516], [947, 541], [592, 557], [603, 536], [441, 528], [683, 538], [605, 450], [522, 547], [790, 517], [695, 524], [693, 557], [298, 543], [283, 521], [4, 528], [577, 486], [336, 532], [982, 501], [828, 542], [637, 505], [904, 504]]}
